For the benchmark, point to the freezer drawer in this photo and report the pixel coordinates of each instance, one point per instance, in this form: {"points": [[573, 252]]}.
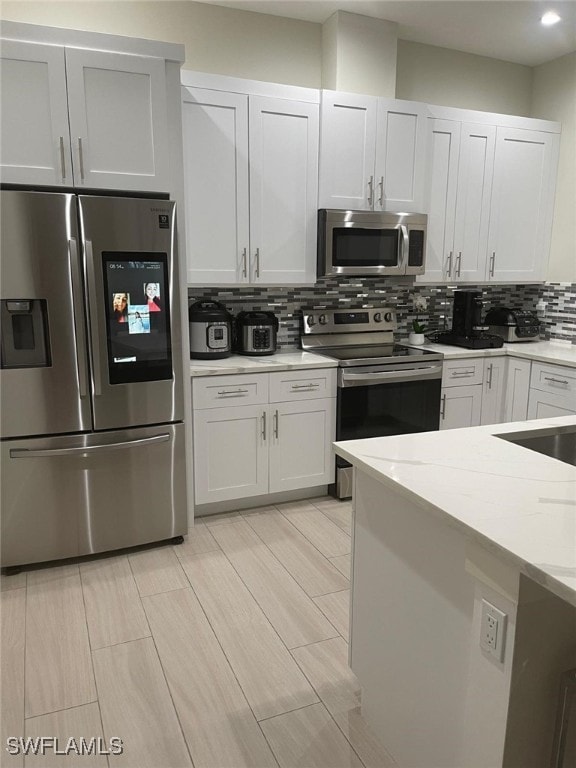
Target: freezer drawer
{"points": [[77, 495]]}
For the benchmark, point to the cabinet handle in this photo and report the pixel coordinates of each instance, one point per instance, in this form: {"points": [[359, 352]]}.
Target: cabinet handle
{"points": [[257, 258], [62, 158], [244, 263], [492, 263], [490, 371], [371, 191], [232, 392], [81, 156], [458, 263], [305, 386], [276, 423], [443, 408], [461, 375], [449, 264], [381, 195], [556, 381], [264, 425]]}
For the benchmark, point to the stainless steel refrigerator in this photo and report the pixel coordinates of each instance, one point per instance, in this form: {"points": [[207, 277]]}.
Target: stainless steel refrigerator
{"points": [[91, 376]]}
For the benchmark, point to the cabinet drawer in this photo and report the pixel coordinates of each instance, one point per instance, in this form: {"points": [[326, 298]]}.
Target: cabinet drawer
{"points": [[224, 391], [459, 373], [555, 379], [302, 385]]}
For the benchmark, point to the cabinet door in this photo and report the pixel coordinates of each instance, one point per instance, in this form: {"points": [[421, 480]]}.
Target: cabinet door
{"points": [[493, 390], [34, 133], [215, 133], [347, 151], [118, 120], [442, 180], [517, 390], [522, 204], [461, 407], [473, 201], [301, 448], [283, 190], [544, 405], [230, 453], [400, 156]]}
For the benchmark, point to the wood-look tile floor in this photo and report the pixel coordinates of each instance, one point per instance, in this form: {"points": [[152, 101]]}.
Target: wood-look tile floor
{"points": [[229, 650]]}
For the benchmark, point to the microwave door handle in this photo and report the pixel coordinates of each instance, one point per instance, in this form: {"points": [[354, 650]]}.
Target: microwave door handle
{"points": [[405, 242]]}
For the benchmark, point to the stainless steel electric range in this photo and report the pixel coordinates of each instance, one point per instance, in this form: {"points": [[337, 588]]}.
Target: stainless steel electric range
{"points": [[384, 388]]}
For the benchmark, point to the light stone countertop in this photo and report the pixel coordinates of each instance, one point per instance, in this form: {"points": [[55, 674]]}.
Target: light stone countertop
{"points": [[558, 353], [518, 503], [279, 361]]}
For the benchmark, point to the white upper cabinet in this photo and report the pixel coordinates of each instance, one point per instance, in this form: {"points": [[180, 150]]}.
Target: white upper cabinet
{"points": [[283, 190], [215, 131], [442, 174], [347, 150], [475, 171], [91, 119], [490, 190], [522, 204], [400, 156], [372, 153], [251, 187], [34, 134], [118, 120]]}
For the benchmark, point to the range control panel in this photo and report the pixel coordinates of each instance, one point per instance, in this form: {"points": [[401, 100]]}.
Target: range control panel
{"points": [[348, 320]]}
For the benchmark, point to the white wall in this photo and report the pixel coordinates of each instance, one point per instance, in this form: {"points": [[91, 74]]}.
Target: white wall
{"points": [[554, 98], [218, 40], [455, 79]]}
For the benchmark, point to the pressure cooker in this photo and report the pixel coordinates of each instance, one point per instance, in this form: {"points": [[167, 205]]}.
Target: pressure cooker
{"points": [[210, 326], [256, 333]]}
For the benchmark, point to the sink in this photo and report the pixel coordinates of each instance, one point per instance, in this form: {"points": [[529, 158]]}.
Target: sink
{"points": [[558, 443]]}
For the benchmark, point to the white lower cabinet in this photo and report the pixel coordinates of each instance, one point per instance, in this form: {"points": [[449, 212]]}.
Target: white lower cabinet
{"points": [[461, 406], [546, 405], [517, 390], [494, 390], [254, 449], [552, 391]]}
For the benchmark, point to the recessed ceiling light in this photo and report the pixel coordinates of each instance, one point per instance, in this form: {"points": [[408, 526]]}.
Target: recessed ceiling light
{"points": [[549, 18]]}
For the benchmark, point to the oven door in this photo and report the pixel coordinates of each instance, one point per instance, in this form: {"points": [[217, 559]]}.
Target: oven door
{"points": [[385, 400]]}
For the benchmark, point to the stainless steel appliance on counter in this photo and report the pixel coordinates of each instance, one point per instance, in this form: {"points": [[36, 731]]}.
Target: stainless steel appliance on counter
{"points": [[256, 333], [513, 324], [91, 376], [210, 326], [364, 243], [383, 388]]}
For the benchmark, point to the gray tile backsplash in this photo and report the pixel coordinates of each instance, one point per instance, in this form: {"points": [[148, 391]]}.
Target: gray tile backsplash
{"points": [[558, 318]]}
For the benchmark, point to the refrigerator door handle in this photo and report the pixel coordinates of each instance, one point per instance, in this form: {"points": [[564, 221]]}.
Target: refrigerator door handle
{"points": [[88, 450], [93, 318], [79, 330]]}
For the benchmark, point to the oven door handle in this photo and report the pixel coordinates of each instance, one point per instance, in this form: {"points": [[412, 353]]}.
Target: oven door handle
{"points": [[379, 377]]}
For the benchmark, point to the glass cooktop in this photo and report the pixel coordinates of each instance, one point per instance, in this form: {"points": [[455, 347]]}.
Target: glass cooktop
{"points": [[376, 353]]}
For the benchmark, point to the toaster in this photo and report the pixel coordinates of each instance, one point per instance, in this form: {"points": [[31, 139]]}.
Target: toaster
{"points": [[513, 324]]}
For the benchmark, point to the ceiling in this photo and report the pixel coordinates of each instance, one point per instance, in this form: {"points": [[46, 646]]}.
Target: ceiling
{"points": [[501, 29]]}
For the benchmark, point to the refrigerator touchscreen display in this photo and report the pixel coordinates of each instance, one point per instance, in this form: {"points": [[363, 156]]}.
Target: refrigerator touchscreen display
{"points": [[137, 316]]}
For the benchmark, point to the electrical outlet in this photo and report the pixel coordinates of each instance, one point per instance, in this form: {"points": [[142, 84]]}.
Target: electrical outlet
{"points": [[493, 630]]}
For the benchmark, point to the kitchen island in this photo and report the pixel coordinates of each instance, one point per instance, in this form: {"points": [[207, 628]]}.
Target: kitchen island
{"points": [[444, 521]]}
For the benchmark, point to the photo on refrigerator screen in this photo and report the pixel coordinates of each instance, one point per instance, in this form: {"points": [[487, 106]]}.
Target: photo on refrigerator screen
{"points": [[120, 302], [152, 297], [138, 318]]}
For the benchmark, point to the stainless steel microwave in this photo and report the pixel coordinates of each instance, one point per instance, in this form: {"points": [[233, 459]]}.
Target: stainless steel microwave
{"points": [[363, 243]]}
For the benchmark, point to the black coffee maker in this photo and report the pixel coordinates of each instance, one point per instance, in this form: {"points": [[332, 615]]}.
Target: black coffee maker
{"points": [[468, 328]]}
